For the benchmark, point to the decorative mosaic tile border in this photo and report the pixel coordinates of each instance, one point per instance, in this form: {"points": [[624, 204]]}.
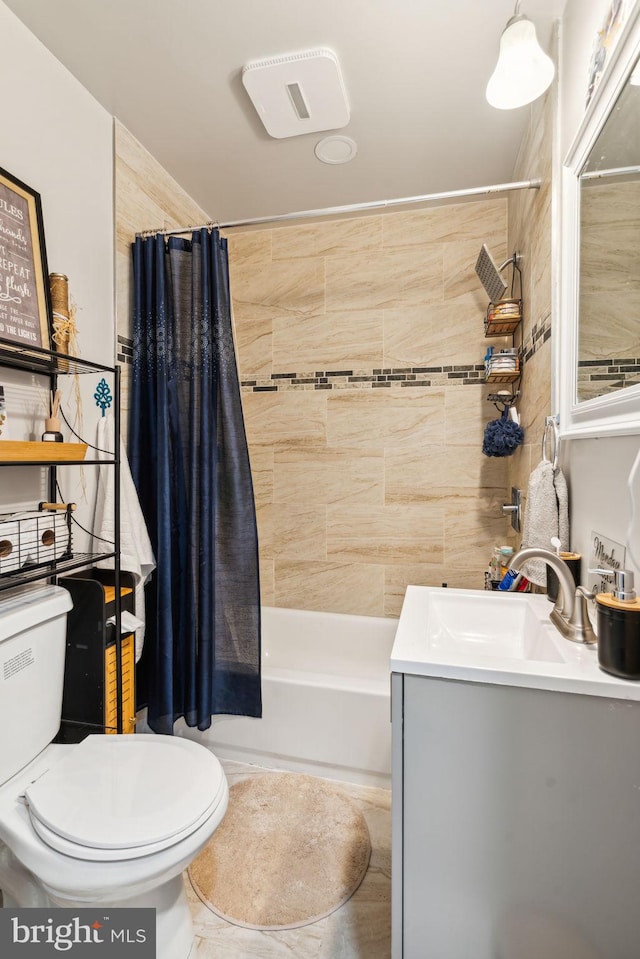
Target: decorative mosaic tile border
{"points": [[404, 376], [596, 377], [538, 335], [125, 350]]}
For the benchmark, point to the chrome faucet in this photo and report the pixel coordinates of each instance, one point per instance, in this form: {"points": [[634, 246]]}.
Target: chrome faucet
{"points": [[569, 615]]}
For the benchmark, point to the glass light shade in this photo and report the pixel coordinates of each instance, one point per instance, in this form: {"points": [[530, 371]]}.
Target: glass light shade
{"points": [[523, 71]]}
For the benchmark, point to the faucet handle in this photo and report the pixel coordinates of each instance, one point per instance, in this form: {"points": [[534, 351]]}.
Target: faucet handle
{"points": [[582, 631], [622, 580]]}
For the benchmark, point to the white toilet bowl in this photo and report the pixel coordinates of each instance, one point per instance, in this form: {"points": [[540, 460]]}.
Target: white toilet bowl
{"points": [[113, 820]]}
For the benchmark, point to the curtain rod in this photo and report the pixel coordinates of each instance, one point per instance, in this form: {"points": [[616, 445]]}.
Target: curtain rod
{"points": [[353, 207]]}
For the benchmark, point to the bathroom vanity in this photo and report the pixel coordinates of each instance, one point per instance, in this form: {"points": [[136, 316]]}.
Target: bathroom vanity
{"points": [[516, 786]]}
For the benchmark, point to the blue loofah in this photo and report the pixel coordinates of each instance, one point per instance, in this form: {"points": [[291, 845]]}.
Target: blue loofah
{"points": [[502, 437]]}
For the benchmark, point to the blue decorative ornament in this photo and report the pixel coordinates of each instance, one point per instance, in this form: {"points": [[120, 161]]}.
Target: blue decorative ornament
{"points": [[502, 437], [103, 396]]}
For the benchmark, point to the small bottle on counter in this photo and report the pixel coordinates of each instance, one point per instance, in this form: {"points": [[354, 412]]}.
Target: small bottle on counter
{"points": [[506, 553], [494, 566], [618, 627]]}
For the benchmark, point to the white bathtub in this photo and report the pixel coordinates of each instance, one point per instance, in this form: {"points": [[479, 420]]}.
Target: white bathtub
{"points": [[325, 699]]}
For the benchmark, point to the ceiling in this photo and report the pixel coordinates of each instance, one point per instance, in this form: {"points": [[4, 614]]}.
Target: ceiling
{"points": [[415, 73]]}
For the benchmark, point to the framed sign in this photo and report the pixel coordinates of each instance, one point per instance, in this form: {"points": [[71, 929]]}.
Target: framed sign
{"points": [[25, 309]]}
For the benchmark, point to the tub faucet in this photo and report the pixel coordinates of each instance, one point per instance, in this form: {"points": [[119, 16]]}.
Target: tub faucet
{"points": [[569, 615]]}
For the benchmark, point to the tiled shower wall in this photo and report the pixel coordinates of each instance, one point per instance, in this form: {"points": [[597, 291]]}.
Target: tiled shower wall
{"points": [[530, 235], [360, 346]]}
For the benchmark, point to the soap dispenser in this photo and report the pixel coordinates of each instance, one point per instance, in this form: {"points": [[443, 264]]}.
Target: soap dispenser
{"points": [[618, 626]]}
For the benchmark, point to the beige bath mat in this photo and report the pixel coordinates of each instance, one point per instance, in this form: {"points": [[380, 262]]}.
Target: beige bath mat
{"points": [[290, 850]]}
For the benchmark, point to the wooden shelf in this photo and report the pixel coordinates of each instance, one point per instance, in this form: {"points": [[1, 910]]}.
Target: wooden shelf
{"points": [[503, 377], [15, 451], [110, 592]]}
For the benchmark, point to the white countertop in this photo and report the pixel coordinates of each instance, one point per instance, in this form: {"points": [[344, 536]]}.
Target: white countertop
{"points": [[576, 669]]}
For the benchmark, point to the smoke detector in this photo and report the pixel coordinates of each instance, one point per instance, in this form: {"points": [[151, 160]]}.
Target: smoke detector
{"points": [[298, 93]]}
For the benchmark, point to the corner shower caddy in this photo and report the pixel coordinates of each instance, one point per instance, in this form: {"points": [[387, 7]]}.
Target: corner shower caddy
{"points": [[504, 318], [51, 365]]}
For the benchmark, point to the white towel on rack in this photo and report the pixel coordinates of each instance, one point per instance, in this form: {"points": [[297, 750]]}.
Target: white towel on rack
{"points": [[546, 515], [136, 553]]}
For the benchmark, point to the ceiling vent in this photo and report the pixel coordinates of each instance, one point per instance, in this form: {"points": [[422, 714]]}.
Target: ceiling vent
{"points": [[298, 93]]}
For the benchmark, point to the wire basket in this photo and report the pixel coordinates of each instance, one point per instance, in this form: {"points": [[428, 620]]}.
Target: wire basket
{"points": [[34, 538]]}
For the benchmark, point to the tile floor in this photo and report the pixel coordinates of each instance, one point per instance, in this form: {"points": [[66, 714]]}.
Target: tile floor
{"points": [[361, 929]]}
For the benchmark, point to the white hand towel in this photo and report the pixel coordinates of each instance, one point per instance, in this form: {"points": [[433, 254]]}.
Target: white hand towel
{"points": [[136, 553], [546, 515]]}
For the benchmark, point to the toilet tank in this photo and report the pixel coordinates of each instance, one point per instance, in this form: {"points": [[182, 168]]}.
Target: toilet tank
{"points": [[33, 622]]}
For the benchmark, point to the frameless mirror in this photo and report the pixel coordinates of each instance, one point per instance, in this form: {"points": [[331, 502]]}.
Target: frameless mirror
{"points": [[598, 373]]}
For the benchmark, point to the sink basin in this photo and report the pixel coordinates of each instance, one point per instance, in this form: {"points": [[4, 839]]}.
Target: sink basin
{"points": [[472, 635], [487, 625]]}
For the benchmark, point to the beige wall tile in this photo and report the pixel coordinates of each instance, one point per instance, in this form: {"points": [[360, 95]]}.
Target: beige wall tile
{"points": [[472, 527], [293, 531], [329, 341], [389, 418], [330, 587], [397, 578], [385, 534], [529, 233], [255, 244], [536, 393], [285, 418], [320, 476], [261, 458], [434, 473], [355, 448], [384, 280], [254, 346], [451, 223], [267, 582], [328, 238], [439, 334], [268, 290], [467, 412]]}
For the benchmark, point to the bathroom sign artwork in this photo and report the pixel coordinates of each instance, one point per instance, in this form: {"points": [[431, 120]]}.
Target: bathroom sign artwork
{"points": [[24, 290], [604, 554]]}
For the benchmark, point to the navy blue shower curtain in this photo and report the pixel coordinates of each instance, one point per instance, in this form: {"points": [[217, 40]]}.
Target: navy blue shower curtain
{"points": [[190, 464]]}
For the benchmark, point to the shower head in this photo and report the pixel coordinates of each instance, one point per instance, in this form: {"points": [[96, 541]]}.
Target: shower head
{"points": [[489, 275]]}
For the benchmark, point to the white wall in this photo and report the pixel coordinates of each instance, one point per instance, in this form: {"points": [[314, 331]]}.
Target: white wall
{"points": [[596, 469], [580, 24], [58, 140]]}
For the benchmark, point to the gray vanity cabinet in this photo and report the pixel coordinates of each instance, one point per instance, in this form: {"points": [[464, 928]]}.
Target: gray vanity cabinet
{"points": [[516, 822]]}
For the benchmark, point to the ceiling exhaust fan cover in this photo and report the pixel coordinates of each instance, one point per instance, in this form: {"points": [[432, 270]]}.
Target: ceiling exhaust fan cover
{"points": [[298, 93]]}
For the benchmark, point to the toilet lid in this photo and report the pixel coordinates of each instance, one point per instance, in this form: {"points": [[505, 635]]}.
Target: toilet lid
{"points": [[128, 791], [99, 854]]}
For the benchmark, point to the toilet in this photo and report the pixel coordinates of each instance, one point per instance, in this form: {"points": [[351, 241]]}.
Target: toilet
{"points": [[113, 820]]}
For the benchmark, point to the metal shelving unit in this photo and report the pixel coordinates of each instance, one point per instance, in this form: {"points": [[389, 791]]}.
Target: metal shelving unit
{"points": [[47, 363]]}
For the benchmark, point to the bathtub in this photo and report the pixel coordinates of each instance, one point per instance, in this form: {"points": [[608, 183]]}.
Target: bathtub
{"points": [[325, 699]]}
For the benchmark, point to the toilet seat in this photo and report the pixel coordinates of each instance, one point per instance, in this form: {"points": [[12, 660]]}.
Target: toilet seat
{"points": [[123, 797]]}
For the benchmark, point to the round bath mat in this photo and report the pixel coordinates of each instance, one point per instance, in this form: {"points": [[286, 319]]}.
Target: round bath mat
{"points": [[290, 850]]}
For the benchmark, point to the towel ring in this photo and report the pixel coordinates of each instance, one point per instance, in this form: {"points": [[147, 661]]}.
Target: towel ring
{"points": [[550, 428]]}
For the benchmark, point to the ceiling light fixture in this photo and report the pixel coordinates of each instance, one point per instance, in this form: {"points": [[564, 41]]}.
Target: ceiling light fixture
{"points": [[523, 71], [336, 149]]}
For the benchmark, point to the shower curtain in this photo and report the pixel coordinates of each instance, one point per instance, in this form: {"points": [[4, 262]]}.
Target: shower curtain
{"points": [[190, 464]]}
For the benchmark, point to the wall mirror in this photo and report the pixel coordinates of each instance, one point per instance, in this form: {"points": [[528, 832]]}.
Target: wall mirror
{"points": [[598, 369]]}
